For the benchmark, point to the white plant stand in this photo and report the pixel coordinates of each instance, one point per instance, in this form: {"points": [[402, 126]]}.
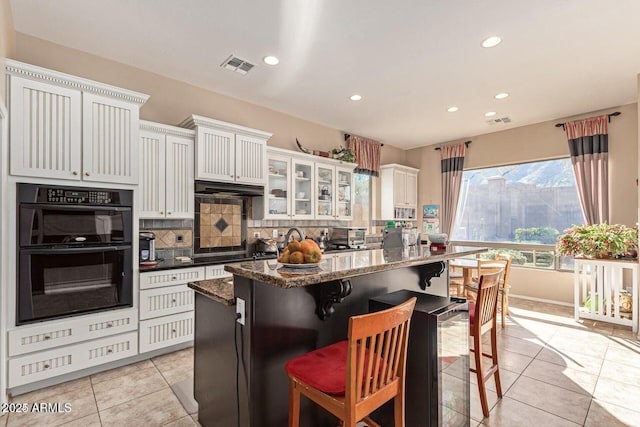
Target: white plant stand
{"points": [[603, 280]]}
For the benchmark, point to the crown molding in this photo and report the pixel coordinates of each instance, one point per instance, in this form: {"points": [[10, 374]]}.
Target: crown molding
{"points": [[166, 129], [194, 121], [33, 72]]}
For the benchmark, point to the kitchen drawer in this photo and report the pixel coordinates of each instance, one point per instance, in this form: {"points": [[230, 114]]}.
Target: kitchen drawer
{"points": [[164, 301], [179, 276], [46, 335], [215, 272], [166, 331], [47, 364]]}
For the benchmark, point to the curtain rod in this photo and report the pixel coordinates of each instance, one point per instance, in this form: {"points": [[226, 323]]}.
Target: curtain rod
{"points": [[466, 144], [615, 114], [346, 138]]}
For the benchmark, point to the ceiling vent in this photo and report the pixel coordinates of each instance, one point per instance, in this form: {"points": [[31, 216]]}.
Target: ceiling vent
{"points": [[499, 121], [236, 64]]}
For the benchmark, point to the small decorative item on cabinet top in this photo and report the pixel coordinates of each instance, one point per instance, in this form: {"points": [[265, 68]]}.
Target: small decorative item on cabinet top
{"points": [[344, 154]]}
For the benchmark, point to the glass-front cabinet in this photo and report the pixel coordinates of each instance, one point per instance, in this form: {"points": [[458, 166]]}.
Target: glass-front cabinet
{"points": [[278, 187], [325, 186], [334, 192], [300, 187], [303, 191], [344, 200]]}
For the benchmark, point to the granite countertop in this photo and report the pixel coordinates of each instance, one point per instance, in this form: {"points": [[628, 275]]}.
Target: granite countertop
{"points": [[335, 266], [220, 290]]}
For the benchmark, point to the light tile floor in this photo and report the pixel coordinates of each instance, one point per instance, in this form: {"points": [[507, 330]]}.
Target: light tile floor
{"points": [[554, 371]]}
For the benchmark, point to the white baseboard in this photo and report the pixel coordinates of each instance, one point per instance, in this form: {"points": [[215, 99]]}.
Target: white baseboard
{"points": [[548, 301]]}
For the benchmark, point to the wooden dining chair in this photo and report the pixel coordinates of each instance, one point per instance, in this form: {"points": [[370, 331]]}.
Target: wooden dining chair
{"points": [[504, 286], [485, 266], [456, 281], [352, 378], [482, 318]]}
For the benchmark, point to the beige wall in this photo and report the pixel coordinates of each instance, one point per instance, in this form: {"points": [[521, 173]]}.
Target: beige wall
{"points": [[538, 142], [7, 42], [545, 141]]}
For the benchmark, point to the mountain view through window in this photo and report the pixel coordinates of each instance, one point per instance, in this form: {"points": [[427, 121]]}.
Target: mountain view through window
{"points": [[528, 203]]}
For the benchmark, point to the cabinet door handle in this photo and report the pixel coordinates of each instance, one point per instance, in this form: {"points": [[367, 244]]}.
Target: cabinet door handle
{"points": [[173, 331], [230, 176], [174, 277], [173, 301], [110, 350], [161, 212], [47, 337], [109, 325], [86, 173], [237, 176], [75, 172], [46, 366], [168, 212]]}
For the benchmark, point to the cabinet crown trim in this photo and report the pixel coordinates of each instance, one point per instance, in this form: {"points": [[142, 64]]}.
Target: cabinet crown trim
{"points": [[195, 121], [33, 72], [398, 166], [309, 157], [166, 129]]}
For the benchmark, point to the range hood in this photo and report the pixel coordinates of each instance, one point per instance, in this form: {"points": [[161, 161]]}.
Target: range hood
{"points": [[228, 189]]}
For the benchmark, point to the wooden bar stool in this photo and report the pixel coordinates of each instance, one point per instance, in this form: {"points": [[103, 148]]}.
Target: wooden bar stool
{"points": [[353, 378], [482, 317]]}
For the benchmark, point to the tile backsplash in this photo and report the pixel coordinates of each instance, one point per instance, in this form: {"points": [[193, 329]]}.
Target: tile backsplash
{"points": [[174, 237]]}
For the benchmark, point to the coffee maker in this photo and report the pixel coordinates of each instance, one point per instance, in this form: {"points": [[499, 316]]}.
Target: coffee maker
{"points": [[147, 246]]}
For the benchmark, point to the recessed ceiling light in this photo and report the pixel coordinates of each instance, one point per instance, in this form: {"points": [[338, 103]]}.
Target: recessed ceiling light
{"points": [[271, 60], [355, 97], [452, 109], [502, 95], [490, 114], [491, 41]]}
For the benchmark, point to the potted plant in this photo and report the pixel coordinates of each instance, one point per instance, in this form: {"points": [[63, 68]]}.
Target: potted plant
{"points": [[344, 154], [598, 241]]}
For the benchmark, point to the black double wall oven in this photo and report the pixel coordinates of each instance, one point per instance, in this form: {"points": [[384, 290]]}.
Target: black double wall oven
{"points": [[74, 251]]}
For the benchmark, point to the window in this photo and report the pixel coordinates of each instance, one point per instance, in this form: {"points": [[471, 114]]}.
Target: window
{"points": [[362, 201], [525, 206]]}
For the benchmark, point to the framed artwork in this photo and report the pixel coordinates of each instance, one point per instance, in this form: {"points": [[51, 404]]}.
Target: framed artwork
{"points": [[430, 211], [430, 226]]}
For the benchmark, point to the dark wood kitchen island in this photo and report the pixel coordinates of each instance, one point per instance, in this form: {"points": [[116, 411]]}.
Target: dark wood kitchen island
{"points": [[289, 312]]}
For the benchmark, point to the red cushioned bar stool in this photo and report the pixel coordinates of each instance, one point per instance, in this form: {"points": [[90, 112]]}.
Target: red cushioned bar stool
{"points": [[352, 378]]}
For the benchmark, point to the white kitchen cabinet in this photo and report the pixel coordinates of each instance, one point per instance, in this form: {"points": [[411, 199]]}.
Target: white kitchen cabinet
{"points": [[227, 152], [278, 189], [71, 128], [63, 360], [334, 192], [48, 349], [399, 192], [178, 276], [289, 192], [166, 331], [166, 171], [301, 186], [166, 307]]}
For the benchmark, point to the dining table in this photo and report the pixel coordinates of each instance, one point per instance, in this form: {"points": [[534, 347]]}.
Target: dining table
{"points": [[468, 266]]}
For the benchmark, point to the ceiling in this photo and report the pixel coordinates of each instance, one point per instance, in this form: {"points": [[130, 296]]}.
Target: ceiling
{"points": [[409, 59]]}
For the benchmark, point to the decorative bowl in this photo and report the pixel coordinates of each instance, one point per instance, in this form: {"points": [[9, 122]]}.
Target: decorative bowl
{"points": [[439, 238]]}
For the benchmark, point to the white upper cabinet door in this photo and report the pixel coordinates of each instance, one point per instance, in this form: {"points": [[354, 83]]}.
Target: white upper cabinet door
{"points": [[110, 140], [45, 130], [215, 155], [399, 187], [152, 174], [251, 154], [179, 177], [412, 189]]}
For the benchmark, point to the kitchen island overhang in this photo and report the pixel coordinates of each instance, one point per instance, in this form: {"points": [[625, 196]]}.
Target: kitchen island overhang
{"points": [[289, 313]]}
